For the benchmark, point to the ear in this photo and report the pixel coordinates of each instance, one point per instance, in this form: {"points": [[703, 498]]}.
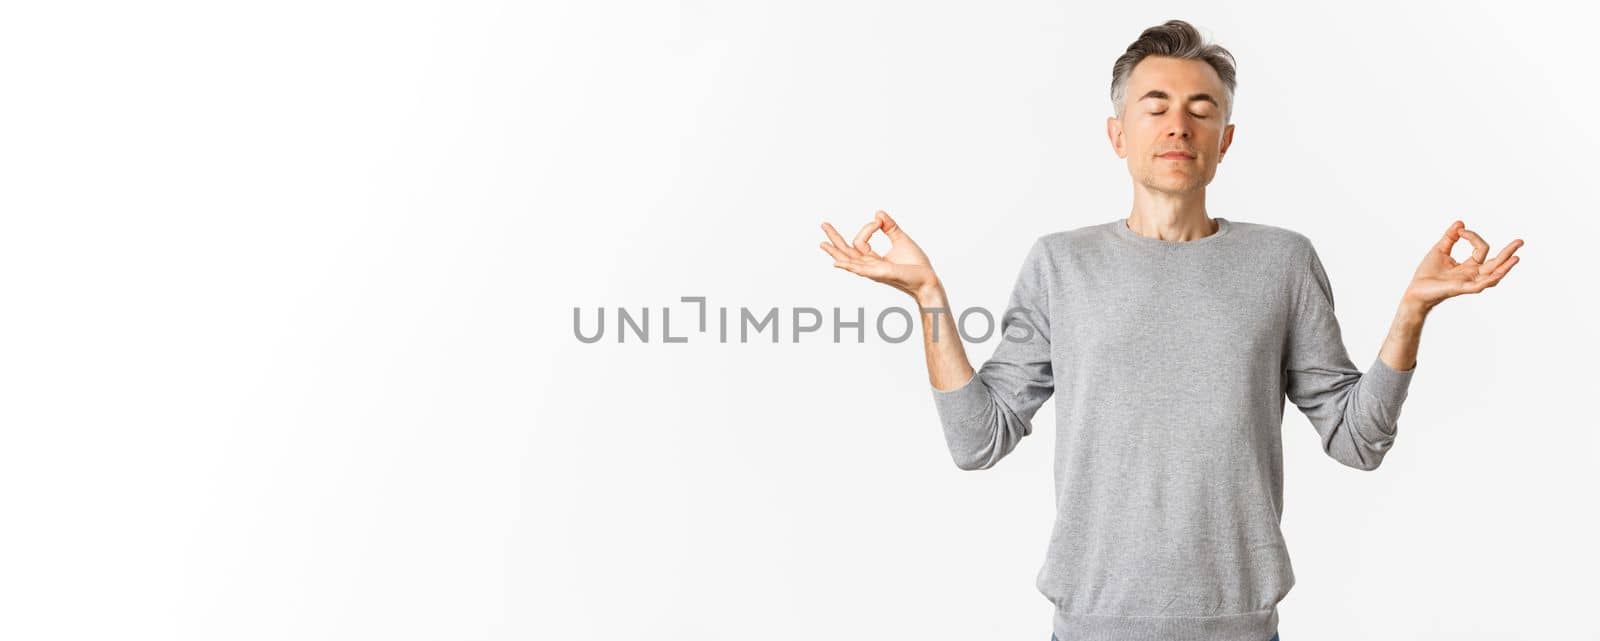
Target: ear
{"points": [[1227, 140], [1114, 134]]}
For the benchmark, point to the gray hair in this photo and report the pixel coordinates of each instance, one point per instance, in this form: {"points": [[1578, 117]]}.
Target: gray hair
{"points": [[1174, 39]]}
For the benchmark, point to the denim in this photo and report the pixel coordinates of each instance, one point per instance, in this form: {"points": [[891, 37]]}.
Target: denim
{"points": [[1274, 637]]}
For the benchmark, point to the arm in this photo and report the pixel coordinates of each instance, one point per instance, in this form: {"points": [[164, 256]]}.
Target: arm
{"points": [[948, 367], [1399, 349], [987, 412], [984, 412], [1357, 414]]}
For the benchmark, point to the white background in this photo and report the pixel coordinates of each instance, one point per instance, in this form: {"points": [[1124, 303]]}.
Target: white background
{"points": [[288, 349]]}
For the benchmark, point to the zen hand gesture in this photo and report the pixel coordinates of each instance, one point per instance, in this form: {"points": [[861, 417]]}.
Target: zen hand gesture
{"points": [[903, 267], [1440, 276]]}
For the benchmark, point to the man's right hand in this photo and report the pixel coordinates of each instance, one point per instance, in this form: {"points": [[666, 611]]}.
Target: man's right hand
{"points": [[903, 267], [907, 269]]}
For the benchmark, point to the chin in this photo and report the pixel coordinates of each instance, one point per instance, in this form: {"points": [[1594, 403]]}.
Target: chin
{"points": [[1173, 187], [1170, 182]]}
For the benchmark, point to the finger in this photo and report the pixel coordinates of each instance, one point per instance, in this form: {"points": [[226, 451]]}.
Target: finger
{"points": [[1510, 248], [890, 228], [1491, 279], [853, 266], [862, 242], [833, 251], [1451, 235], [838, 241], [1480, 249], [1494, 278]]}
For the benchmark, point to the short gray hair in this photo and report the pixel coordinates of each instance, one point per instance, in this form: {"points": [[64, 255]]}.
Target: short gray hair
{"points": [[1174, 39]]}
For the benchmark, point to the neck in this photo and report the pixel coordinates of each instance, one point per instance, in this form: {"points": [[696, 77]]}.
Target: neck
{"points": [[1170, 216]]}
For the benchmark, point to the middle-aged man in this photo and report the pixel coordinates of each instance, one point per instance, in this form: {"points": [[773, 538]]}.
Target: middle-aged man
{"points": [[1172, 338]]}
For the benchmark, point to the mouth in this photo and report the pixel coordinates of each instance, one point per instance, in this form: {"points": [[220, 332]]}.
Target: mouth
{"points": [[1176, 155]]}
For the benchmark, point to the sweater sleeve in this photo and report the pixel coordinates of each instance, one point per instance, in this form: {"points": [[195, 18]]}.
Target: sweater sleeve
{"points": [[986, 417], [1356, 414]]}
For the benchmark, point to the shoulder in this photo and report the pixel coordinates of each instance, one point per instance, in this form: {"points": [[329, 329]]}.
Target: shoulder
{"points": [[1295, 256], [1281, 249], [1278, 239], [1076, 240]]}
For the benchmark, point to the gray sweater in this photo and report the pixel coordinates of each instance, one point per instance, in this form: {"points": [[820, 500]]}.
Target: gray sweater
{"points": [[1170, 362]]}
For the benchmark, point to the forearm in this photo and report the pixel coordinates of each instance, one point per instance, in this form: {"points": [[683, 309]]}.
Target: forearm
{"points": [[1399, 349], [948, 367]]}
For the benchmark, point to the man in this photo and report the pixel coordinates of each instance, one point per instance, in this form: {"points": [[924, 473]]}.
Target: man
{"points": [[1172, 338]]}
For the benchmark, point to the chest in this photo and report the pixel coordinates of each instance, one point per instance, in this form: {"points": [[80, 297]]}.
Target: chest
{"points": [[1167, 317]]}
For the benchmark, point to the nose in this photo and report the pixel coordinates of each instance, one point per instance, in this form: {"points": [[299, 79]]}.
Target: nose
{"points": [[1178, 125]]}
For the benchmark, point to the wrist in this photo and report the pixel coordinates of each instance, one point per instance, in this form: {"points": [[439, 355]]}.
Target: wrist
{"points": [[1413, 310], [930, 294]]}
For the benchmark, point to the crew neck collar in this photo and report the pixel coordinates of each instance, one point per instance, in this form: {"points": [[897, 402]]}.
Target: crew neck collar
{"points": [[1120, 228]]}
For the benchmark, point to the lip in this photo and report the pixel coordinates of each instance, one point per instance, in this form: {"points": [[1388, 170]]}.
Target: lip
{"points": [[1176, 155]]}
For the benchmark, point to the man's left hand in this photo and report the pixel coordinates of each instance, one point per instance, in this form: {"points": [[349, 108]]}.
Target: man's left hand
{"points": [[1441, 277]]}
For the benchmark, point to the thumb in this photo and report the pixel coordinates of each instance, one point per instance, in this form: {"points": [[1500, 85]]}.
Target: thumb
{"points": [[890, 228]]}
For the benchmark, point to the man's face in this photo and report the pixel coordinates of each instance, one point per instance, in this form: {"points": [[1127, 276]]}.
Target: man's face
{"points": [[1172, 130]]}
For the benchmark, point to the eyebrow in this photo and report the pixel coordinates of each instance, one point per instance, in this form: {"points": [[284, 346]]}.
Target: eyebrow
{"points": [[1162, 95]]}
